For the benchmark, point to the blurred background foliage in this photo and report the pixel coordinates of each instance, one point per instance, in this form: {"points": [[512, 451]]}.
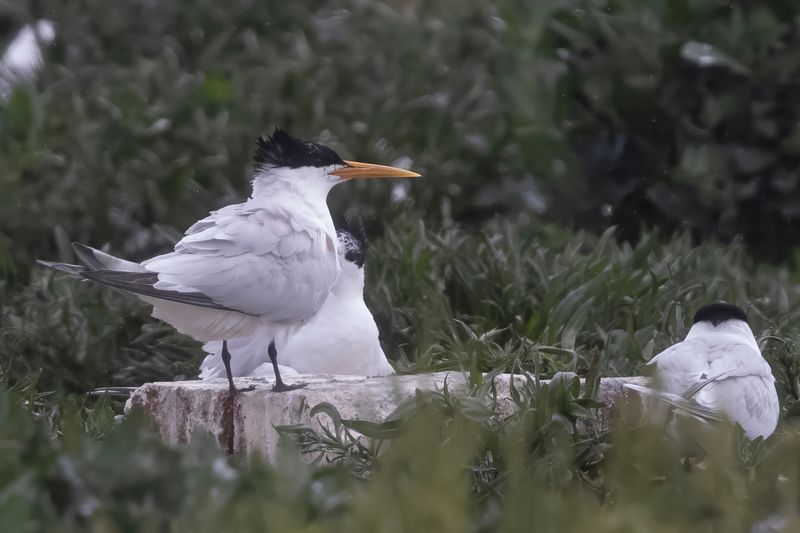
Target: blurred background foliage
{"points": [[594, 170], [529, 123]]}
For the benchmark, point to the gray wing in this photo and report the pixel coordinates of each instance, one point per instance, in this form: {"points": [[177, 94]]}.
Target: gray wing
{"points": [[143, 283], [685, 405], [257, 260]]}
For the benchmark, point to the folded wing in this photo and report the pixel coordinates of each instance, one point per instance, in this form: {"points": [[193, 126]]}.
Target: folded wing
{"points": [[260, 262]]}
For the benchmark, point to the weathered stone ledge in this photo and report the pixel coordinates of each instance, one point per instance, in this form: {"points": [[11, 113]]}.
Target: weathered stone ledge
{"points": [[245, 423]]}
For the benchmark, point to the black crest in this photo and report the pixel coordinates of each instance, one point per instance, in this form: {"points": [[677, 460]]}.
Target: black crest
{"points": [[718, 313], [353, 238], [282, 150]]}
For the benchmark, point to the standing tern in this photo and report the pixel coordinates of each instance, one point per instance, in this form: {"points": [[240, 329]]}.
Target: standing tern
{"points": [[717, 373], [341, 338], [266, 265]]}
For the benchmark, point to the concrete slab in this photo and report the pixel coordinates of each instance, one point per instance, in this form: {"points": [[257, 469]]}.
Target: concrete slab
{"points": [[245, 423]]}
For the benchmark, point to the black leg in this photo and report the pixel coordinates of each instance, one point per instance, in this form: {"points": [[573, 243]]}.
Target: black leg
{"points": [[226, 360], [280, 386]]}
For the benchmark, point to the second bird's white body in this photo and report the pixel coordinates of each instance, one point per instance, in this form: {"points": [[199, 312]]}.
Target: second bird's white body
{"points": [[341, 338]]}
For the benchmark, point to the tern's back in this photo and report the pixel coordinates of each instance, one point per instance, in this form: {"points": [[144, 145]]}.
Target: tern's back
{"points": [[720, 366]]}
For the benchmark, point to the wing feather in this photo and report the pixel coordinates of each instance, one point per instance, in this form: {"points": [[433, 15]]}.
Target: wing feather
{"points": [[143, 283], [262, 261], [751, 401]]}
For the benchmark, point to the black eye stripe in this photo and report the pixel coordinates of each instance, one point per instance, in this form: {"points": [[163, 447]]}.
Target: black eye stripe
{"points": [[282, 150]]}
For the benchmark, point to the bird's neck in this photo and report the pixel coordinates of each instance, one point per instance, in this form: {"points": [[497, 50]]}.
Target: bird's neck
{"points": [[301, 200], [287, 184], [350, 282]]}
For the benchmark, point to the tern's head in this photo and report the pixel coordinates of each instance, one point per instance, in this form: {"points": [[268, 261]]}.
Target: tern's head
{"points": [[352, 249], [310, 166], [716, 314], [722, 319]]}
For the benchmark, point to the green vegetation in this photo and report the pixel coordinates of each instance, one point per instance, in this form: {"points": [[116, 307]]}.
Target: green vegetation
{"points": [[593, 174]]}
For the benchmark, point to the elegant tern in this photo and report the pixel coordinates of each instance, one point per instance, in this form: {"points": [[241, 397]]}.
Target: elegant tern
{"points": [[264, 266], [717, 372]]}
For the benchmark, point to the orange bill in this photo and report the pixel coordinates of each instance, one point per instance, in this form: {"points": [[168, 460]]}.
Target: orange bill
{"points": [[356, 170]]}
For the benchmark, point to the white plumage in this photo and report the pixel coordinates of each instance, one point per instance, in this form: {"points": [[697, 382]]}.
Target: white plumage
{"points": [[341, 338], [264, 267], [718, 372]]}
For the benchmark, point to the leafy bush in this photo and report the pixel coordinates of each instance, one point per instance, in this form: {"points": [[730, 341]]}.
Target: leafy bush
{"points": [[514, 293], [454, 465], [682, 116], [521, 292], [515, 109]]}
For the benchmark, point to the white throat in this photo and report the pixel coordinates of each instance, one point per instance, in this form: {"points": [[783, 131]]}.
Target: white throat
{"points": [[301, 193], [351, 281], [310, 183]]}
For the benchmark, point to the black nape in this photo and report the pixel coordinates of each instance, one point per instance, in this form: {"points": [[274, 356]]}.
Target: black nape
{"points": [[282, 150], [718, 313], [352, 236], [355, 249]]}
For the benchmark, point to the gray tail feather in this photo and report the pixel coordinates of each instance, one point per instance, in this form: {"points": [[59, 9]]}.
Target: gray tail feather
{"points": [[127, 276], [97, 260], [86, 256], [91, 260], [75, 270], [687, 406]]}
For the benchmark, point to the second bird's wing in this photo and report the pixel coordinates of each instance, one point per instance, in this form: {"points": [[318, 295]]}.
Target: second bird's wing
{"points": [[682, 404], [750, 401], [746, 393], [261, 261]]}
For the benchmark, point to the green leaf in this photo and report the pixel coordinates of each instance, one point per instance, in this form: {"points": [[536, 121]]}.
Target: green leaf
{"points": [[375, 430]]}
